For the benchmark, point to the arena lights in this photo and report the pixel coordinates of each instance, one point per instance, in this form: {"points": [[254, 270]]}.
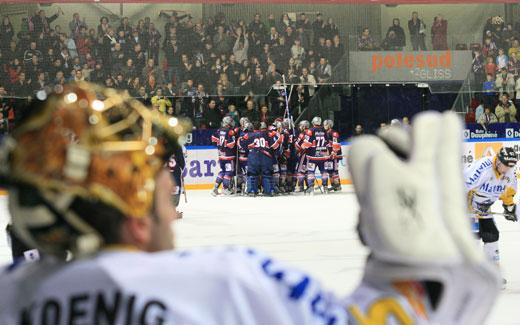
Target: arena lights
{"points": [[173, 122], [98, 105], [70, 98]]}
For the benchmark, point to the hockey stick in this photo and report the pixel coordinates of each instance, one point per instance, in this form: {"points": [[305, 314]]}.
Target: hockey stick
{"points": [[184, 187]]}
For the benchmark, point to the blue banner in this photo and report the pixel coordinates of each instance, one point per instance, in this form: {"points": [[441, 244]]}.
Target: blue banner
{"points": [[492, 131]]}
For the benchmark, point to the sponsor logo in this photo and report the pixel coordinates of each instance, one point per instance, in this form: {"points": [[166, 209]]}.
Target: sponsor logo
{"points": [[402, 60]]}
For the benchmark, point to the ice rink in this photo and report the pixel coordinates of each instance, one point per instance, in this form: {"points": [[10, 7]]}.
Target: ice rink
{"points": [[315, 233]]}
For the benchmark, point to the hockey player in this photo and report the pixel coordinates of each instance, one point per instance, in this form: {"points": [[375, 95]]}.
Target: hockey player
{"points": [[176, 165], [316, 142], [487, 180], [332, 165], [121, 227], [261, 145], [301, 154], [274, 131], [225, 140], [287, 159], [243, 152]]}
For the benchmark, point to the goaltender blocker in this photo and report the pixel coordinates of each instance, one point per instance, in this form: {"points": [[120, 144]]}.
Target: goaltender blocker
{"points": [[85, 174]]}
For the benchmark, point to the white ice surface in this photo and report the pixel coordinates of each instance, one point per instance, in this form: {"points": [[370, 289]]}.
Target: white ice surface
{"points": [[316, 234]]}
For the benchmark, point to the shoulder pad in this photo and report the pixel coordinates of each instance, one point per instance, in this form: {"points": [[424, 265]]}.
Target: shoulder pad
{"points": [[335, 134], [301, 135], [308, 132], [245, 136], [231, 132]]}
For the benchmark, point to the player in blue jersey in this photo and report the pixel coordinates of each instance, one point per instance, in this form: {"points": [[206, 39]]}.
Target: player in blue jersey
{"points": [[316, 142], [225, 140], [275, 133], [261, 146], [243, 153], [332, 165], [301, 157]]}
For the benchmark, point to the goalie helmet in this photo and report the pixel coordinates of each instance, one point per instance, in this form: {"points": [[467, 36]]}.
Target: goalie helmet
{"points": [[328, 124], [228, 122], [507, 156], [316, 120], [83, 145]]}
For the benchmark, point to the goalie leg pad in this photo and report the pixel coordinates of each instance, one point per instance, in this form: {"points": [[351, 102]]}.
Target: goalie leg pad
{"points": [[488, 231]]}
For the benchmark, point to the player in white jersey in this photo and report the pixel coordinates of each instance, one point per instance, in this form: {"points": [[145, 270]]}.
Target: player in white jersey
{"points": [[487, 180], [84, 177]]}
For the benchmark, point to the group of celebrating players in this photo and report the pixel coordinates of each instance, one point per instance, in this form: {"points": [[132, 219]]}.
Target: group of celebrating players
{"points": [[276, 158]]}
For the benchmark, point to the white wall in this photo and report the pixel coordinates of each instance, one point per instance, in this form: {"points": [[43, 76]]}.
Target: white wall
{"points": [[465, 21]]}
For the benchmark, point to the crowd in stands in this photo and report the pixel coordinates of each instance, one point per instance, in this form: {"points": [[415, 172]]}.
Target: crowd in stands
{"points": [[495, 74], [202, 69], [395, 38]]}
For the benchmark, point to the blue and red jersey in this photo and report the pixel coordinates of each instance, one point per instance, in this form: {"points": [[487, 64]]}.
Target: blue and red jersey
{"points": [[225, 140], [316, 142], [262, 141], [334, 144]]}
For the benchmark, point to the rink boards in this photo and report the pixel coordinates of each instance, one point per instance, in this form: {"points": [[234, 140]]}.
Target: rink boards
{"points": [[202, 166]]}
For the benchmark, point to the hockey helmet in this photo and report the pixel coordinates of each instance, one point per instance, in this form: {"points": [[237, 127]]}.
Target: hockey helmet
{"points": [[316, 120], [228, 122], [277, 125], [249, 126], [507, 156], [328, 124], [83, 145], [304, 125], [243, 121]]}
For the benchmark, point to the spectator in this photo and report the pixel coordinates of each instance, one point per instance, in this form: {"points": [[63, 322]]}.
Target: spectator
{"points": [[212, 116], [161, 101], [488, 89], [41, 23], [477, 66], [514, 49], [489, 48], [517, 92], [490, 67], [479, 110], [391, 42], [324, 71], [232, 111], [398, 40], [241, 46], [513, 66], [76, 24], [469, 117], [417, 30], [502, 60], [365, 41], [318, 28], [265, 115], [6, 33], [439, 32], [505, 110], [143, 97], [250, 112], [505, 82], [358, 130], [308, 81], [487, 118]]}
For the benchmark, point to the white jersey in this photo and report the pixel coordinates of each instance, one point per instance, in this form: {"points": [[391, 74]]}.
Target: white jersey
{"points": [[486, 185], [211, 286]]}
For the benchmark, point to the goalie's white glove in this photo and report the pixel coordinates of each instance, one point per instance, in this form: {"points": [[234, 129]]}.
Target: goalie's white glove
{"points": [[413, 217]]}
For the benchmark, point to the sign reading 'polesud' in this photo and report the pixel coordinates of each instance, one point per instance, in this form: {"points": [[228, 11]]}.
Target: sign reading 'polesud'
{"points": [[402, 66]]}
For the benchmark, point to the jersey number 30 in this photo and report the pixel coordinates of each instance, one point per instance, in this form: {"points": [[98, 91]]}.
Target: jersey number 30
{"points": [[260, 143]]}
